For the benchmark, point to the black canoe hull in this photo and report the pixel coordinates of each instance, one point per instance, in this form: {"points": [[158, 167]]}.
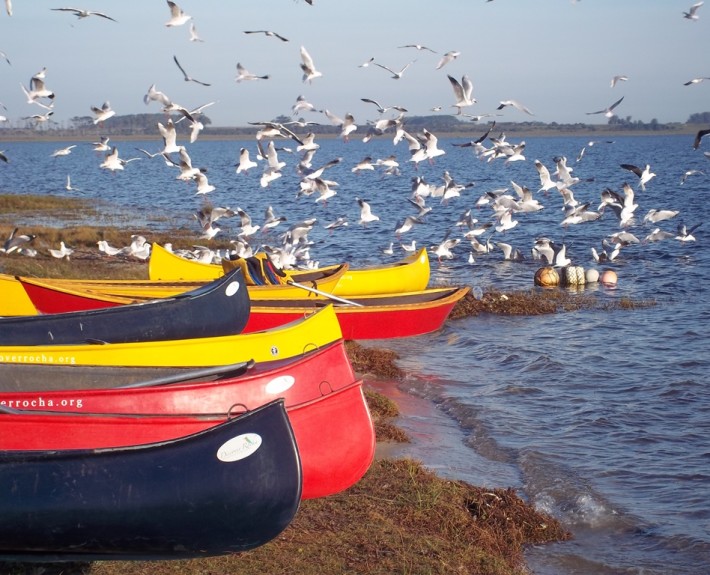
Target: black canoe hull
{"points": [[218, 308], [227, 489]]}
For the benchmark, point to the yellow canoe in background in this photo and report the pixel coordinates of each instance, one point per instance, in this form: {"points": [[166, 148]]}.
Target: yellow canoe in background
{"points": [[311, 332], [406, 275]]}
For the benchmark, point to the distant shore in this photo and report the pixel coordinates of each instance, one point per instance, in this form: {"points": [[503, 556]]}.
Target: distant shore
{"points": [[472, 130]]}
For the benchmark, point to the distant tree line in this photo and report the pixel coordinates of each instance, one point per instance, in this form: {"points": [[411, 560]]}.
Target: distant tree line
{"points": [[145, 125]]}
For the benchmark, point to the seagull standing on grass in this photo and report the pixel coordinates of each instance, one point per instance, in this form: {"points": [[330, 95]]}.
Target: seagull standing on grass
{"points": [[62, 253]]}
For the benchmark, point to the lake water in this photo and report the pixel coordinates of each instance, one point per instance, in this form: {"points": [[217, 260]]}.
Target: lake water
{"points": [[601, 418]]}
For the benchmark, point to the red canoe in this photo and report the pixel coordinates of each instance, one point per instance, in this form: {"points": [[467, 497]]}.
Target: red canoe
{"points": [[334, 433], [380, 316], [367, 317]]}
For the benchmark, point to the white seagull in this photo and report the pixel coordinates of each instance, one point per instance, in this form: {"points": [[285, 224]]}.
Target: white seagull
{"points": [[692, 13], [187, 77], [245, 162], [63, 151], [366, 215], [245, 75], [463, 91], [177, 16], [395, 75], [79, 13], [515, 104], [267, 33], [103, 113], [608, 112], [310, 72], [193, 34], [617, 79], [448, 57]]}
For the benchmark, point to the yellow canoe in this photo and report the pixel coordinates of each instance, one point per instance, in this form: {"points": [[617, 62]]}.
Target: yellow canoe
{"points": [[408, 274], [13, 298], [310, 332]]}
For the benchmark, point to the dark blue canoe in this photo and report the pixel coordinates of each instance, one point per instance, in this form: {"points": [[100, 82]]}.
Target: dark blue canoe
{"points": [[217, 308], [230, 488]]}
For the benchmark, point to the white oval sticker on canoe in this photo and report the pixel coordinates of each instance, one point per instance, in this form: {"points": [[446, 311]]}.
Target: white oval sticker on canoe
{"points": [[231, 289], [280, 384], [239, 447]]}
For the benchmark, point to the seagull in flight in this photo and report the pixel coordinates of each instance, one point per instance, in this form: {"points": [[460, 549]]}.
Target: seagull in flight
{"points": [[699, 136], [515, 104], [617, 79], [395, 75], [463, 91], [695, 81], [382, 109], [267, 33], [366, 214], [193, 34], [177, 16], [644, 175], [448, 57], [80, 14], [418, 47], [310, 72], [102, 113], [692, 14], [63, 151], [244, 74], [608, 112], [187, 77]]}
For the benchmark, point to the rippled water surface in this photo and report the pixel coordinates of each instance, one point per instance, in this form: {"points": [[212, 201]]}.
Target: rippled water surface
{"points": [[599, 417]]}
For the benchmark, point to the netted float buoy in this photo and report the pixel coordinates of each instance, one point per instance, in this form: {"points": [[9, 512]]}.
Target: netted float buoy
{"points": [[572, 276], [547, 277]]}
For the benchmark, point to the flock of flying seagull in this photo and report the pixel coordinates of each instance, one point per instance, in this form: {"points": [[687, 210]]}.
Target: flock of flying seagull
{"points": [[294, 247]]}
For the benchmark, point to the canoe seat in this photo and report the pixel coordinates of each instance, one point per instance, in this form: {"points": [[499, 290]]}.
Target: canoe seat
{"points": [[259, 270]]}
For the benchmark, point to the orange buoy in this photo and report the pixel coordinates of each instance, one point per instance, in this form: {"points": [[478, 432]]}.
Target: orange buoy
{"points": [[608, 278], [547, 277]]}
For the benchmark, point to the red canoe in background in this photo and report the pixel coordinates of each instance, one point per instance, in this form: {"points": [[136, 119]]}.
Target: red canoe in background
{"points": [[334, 433], [380, 316]]}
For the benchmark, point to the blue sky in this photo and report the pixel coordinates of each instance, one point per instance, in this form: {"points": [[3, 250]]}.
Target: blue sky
{"points": [[557, 57]]}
